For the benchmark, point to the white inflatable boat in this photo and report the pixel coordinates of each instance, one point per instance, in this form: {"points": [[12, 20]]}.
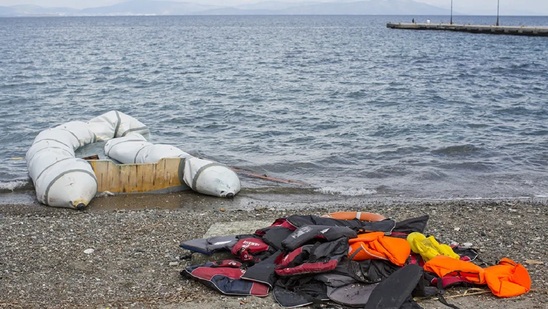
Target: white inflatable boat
{"points": [[62, 180]]}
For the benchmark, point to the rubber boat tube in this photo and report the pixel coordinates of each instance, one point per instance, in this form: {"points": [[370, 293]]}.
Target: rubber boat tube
{"points": [[62, 180], [134, 148]]}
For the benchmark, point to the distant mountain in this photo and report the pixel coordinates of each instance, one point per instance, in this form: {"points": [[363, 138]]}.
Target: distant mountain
{"points": [[371, 7], [150, 7], [34, 10], [7, 11]]}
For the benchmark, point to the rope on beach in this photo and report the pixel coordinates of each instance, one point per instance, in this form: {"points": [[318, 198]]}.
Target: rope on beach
{"points": [[252, 174], [471, 292], [480, 291]]}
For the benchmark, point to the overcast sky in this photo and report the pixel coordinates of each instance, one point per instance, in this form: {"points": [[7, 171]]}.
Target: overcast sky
{"points": [[540, 7]]}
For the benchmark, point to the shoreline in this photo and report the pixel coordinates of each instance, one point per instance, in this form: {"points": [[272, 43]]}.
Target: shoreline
{"points": [[136, 257], [275, 197]]}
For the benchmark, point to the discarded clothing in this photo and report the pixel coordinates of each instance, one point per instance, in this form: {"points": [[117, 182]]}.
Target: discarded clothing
{"points": [[308, 259]]}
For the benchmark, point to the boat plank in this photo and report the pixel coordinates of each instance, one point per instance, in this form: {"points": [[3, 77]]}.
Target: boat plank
{"points": [[134, 178]]}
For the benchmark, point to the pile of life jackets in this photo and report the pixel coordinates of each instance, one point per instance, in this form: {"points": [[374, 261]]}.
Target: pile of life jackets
{"points": [[353, 259]]}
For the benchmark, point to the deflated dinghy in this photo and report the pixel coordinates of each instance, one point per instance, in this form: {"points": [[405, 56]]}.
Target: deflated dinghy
{"points": [[62, 180]]}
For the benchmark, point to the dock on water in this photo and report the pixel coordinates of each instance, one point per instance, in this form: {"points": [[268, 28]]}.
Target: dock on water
{"points": [[511, 30]]}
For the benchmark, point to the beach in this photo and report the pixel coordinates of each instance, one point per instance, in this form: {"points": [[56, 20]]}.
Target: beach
{"points": [[123, 251]]}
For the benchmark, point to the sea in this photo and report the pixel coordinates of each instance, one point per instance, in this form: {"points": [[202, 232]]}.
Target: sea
{"points": [[328, 105]]}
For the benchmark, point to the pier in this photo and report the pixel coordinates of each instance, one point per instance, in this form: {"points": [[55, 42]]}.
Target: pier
{"points": [[488, 29]]}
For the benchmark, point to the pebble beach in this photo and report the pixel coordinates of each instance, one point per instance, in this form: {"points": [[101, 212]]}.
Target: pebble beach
{"points": [[123, 251]]}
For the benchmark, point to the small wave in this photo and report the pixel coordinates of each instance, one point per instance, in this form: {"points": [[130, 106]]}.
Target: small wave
{"points": [[14, 185], [362, 93], [346, 191], [456, 150]]}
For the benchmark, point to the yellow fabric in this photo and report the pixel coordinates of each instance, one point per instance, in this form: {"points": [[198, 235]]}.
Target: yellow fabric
{"points": [[429, 247]]}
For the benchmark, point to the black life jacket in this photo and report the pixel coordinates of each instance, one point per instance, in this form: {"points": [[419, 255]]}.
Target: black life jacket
{"points": [[210, 245], [226, 277], [312, 233], [312, 258], [395, 291]]}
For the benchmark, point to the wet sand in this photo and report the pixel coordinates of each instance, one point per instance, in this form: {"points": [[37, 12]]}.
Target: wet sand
{"points": [[124, 251]]}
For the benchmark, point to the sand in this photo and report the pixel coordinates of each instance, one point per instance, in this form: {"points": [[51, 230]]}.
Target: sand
{"points": [[124, 251]]}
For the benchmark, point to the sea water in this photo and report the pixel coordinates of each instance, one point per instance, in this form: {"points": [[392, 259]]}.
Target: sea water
{"points": [[339, 103]]}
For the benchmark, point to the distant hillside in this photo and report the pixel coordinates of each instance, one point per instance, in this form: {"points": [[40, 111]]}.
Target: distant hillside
{"points": [[35, 10], [7, 11], [150, 7], [371, 7]]}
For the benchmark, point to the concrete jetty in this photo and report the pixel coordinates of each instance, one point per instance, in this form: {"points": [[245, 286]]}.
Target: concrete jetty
{"points": [[488, 29]]}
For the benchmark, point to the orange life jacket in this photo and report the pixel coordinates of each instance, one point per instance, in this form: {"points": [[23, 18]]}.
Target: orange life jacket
{"points": [[443, 265], [508, 278], [376, 245]]}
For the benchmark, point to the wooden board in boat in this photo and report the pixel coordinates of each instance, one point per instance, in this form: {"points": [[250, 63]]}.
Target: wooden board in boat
{"points": [[164, 176]]}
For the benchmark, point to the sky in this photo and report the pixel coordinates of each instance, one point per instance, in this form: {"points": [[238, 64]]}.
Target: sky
{"points": [[466, 6]]}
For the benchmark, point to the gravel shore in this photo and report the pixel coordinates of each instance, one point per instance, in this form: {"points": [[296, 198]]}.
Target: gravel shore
{"points": [[124, 251]]}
